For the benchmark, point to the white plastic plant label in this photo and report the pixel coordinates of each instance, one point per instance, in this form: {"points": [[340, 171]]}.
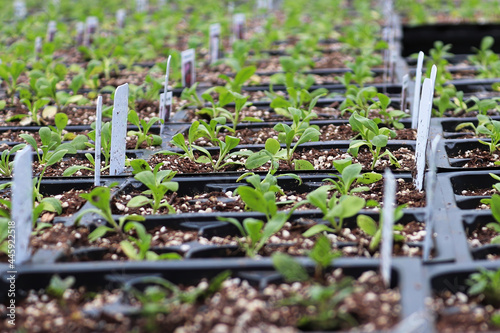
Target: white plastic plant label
{"points": [[80, 33], [214, 42], [430, 188], [38, 46], [388, 226], [238, 26], [91, 26], [167, 73], [416, 93], [121, 14], [424, 120], [162, 110], [168, 106], [404, 92], [22, 203], [51, 31], [187, 69], [119, 130], [97, 157], [141, 6], [20, 10]]}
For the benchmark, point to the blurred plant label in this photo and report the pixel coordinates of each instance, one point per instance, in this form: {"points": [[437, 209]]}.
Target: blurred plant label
{"points": [[98, 127], [388, 226], [80, 33], [20, 10], [119, 130], [91, 26], [187, 69], [265, 4], [51, 31], [424, 121], [38, 46], [230, 7], [141, 6], [416, 92], [22, 203], [167, 73], [166, 102], [430, 188], [238, 26], [214, 41], [121, 14], [404, 92]]}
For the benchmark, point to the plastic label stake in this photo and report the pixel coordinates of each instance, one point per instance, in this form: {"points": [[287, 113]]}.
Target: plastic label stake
{"points": [[424, 121], [38, 46], [98, 127], [214, 41], [430, 187], [121, 14], [404, 92], [167, 73], [416, 93], [141, 6], [22, 203], [388, 226], [91, 24], [188, 70], [80, 33], [119, 130], [162, 111], [20, 10], [238, 26], [51, 31]]}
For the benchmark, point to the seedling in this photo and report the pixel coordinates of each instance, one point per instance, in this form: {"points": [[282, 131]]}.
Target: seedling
{"points": [[488, 127], [486, 283], [333, 209], [389, 117], [6, 165], [495, 211], [351, 174], [10, 73], [100, 198], [143, 244], [159, 183], [486, 59], [189, 94], [143, 128], [373, 137], [256, 232], [58, 286], [239, 80], [374, 229]]}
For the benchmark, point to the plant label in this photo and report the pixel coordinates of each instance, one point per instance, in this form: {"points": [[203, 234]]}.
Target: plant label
{"points": [[119, 130], [433, 76], [141, 6], [121, 14], [265, 4], [230, 7], [22, 203], [51, 31], [20, 10], [162, 111], [387, 226], [80, 33], [238, 26], [404, 92], [430, 187], [97, 157], [165, 108], [90, 29], [214, 42], [424, 121], [416, 92], [167, 73], [38, 46], [188, 70]]}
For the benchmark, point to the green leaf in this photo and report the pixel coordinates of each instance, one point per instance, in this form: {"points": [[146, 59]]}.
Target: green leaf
{"points": [[367, 224], [288, 267], [258, 159], [272, 146], [252, 198], [99, 232], [56, 157], [139, 201], [316, 229], [45, 135], [495, 207], [61, 120], [253, 228], [369, 178], [303, 165], [380, 140]]}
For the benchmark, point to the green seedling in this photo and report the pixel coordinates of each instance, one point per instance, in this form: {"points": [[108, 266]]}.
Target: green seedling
{"points": [[495, 211], [350, 175], [242, 76], [255, 232], [390, 118], [100, 198], [142, 131], [138, 248], [487, 127], [333, 209], [159, 183], [58, 286], [6, 165], [487, 284], [190, 94], [10, 74]]}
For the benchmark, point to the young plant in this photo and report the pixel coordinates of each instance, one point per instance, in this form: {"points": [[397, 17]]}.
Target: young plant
{"points": [[190, 94], [350, 175], [487, 127], [374, 229], [296, 99], [273, 152], [58, 286], [359, 100], [487, 284], [262, 197], [138, 248], [240, 78], [333, 209], [255, 232], [495, 211], [33, 104], [6, 165], [486, 59], [373, 137], [389, 117], [10, 73], [143, 128], [100, 198], [159, 183]]}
